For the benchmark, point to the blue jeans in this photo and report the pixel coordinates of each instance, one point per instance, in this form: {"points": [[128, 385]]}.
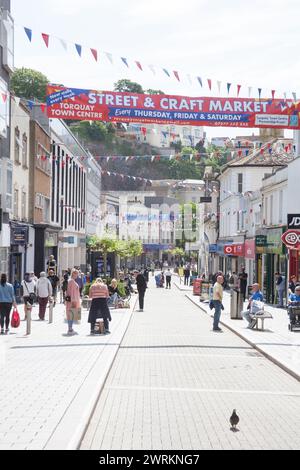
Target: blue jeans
{"points": [[112, 300], [280, 297], [217, 315]]}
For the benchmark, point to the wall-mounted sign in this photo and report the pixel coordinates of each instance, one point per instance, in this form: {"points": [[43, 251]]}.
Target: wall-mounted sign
{"points": [[294, 221]]}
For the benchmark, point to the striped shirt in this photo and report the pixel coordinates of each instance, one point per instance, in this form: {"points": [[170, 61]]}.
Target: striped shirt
{"points": [[99, 291]]}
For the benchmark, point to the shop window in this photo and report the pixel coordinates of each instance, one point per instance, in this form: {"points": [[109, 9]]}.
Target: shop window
{"points": [[17, 145], [23, 206], [16, 203], [240, 183]]}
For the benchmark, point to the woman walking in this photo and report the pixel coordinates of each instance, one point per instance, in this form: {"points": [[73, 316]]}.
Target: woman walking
{"points": [[28, 291], [72, 300], [7, 300], [43, 291], [99, 308]]}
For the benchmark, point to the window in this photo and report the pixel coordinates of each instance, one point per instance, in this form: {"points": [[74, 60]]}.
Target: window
{"points": [[24, 150], [9, 188], [23, 206], [4, 109], [43, 159], [240, 182], [46, 209], [257, 218], [16, 203], [266, 211], [271, 209], [7, 41], [17, 145], [280, 207]]}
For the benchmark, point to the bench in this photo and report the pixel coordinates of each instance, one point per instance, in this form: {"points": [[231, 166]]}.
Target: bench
{"points": [[261, 315]]}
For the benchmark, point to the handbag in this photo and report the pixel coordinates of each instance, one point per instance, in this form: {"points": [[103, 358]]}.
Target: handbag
{"points": [[75, 314], [31, 295], [15, 319], [68, 298]]}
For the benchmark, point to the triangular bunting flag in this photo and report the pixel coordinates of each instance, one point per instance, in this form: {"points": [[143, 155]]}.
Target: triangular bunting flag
{"points": [[30, 104], [228, 87], [284, 94], [95, 54], [238, 89], [151, 67], [78, 49], [46, 39], [64, 44], [109, 56], [166, 72], [189, 79], [209, 83], [176, 75], [4, 97], [17, 100], [124, 60], [219, 85], [43, 107], [249, 91], [259, 92], [273, 94], [28, 33], [139, 65], [200, 80], [294, 96]]}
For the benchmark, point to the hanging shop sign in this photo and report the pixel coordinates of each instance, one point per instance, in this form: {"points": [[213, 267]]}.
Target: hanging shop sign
{"points": [[111, 106], [291, 239], [294, 221], [250, 249]]}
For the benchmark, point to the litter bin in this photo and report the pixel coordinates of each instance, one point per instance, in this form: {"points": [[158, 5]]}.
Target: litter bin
{"points": [[197, 286], [236, 304]]}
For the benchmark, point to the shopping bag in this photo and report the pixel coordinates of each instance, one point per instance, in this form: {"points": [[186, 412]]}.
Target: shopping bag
{"points": [[15, 319], [75, 314]]}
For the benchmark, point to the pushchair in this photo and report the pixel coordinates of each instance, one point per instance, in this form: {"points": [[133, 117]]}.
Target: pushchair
{"points": [[294, 315], [159, 280]]}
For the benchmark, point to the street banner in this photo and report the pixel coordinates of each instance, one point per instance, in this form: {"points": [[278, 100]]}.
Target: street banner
{"points": [[112, 106]]}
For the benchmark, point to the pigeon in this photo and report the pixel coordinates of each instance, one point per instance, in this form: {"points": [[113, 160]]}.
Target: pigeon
{"points": [[234, 419]]}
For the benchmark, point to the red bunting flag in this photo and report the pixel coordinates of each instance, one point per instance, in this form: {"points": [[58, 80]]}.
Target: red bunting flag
{"points": [[209, 83], [261, 151], [46, 39], [4, 97], [176, 75], [240, 153], [43, 107], [95, 54], [273, 94], [139, 65], [238, 89]]}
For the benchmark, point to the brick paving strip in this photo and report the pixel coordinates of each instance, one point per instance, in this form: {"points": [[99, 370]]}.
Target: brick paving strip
{"points": [[50, 383], [174, 384]]}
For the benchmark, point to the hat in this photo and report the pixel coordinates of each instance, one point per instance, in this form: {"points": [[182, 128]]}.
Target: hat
{"points": [[297, 288]]}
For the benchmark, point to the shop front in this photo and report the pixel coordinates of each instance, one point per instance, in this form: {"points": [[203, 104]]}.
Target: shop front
{"points": [[19, 239], [46, 244], [250, 264], [270, 258]]}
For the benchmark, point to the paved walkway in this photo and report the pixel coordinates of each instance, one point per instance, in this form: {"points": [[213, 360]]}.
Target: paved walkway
{"points": [[49, 383], [174, 384], [276, 341]]}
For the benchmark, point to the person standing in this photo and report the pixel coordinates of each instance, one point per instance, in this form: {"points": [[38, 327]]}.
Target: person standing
{"points": [[217, 302], [99, 308], [280, 288], [243, 279], [146, 274], [79, 281], [7, 300], [43, 291], [72, 300], [168, 279], [51, 264], [54, 280], [187, 274], [292, 284], [141, 287], [28, 292]]}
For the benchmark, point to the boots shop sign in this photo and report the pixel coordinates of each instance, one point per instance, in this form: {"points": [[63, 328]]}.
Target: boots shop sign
{"points": [[294, 221]]}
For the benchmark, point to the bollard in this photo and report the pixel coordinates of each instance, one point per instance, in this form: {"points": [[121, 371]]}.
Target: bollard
{"points": [[28, 318], [51, 310]]}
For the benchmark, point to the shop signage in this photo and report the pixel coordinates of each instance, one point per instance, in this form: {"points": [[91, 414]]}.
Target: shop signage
{"points": [[236, 249], [294, 221], [291, 239], [274, 242], [19, 235], [205, 199], [250, 249], [261, 240], [112, 106], [213, 248]]}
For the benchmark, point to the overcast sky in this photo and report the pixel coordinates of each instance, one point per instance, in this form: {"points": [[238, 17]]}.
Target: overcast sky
{"points": [[252, 43]]}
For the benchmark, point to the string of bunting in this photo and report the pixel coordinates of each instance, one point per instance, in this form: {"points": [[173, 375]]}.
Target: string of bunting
{"points": [[95, 55]]}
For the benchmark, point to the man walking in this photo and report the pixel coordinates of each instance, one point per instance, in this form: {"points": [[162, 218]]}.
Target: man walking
{"points": [[280, 287], [187, 274], [168, 279], [141, 287], [217, 302], [243, 278], [54, 283]]}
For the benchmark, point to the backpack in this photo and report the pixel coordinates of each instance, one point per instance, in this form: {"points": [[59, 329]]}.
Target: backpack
{"points": [[15, 319]]}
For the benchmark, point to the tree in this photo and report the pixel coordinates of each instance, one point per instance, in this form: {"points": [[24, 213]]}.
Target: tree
{"points": [[30, 84], [150, 91], [94, 131], [105, 245], [128, 86]]}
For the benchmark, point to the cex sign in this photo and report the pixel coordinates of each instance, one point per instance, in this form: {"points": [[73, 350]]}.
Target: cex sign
{"points": [[236, 249], [291, 239], [294, 221]]}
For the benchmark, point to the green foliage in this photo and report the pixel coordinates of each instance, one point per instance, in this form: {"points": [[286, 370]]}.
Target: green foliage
{"points": [[188, 151], [150, 91], [94, 131], [30, 84], [128, 86]]}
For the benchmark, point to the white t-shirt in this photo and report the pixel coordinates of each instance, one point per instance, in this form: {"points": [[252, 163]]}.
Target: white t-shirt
{"points": [[28, 288]]}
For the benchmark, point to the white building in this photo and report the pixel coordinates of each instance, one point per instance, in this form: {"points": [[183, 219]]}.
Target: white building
{"points": [[93, 221]]}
